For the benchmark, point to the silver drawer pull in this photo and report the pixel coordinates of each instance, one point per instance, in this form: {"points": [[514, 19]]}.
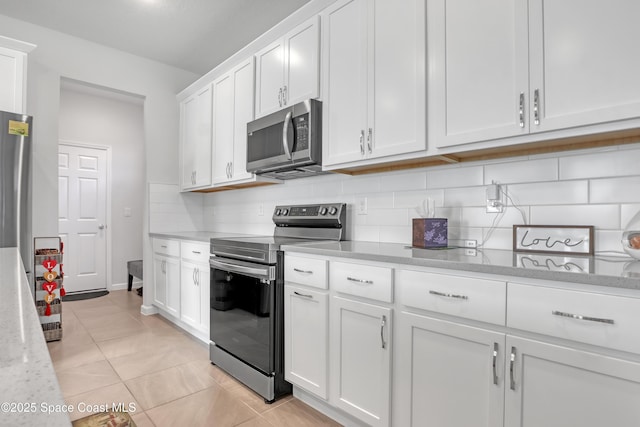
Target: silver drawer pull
{"points": [[163, 246], [303, 295], [366, 282], [580, 317], [196, 252], [297, 270], [512, 364], [442, 294]]}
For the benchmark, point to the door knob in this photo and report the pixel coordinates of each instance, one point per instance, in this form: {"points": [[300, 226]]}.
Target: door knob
{"points": [[101, 227]]}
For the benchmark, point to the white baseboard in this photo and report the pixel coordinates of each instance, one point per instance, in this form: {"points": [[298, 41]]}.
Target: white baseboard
{"points": [[327, 409], [120, 286], [148, 310]]}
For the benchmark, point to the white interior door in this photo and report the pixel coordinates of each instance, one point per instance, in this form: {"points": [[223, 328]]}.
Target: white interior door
{"points": [[82, 215]]}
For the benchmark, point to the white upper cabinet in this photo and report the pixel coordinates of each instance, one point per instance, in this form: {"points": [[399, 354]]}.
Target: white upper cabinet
{"points": [[373, 80], [232, 109], [477, 69], [584, 61], [287, 71], [502, 68], [195, 139], [13, 75]]}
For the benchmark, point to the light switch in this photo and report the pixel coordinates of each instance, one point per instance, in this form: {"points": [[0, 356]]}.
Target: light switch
{"points": [[127, 211]]}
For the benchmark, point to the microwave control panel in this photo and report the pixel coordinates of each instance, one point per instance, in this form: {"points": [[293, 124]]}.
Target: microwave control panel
{"points": [[301, 126]]}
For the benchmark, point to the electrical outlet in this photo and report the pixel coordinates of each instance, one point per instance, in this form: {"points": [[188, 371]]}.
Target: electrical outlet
{"points": [[470, 243], [361, 205], [260, 209], [470, 252], [495, 201]]}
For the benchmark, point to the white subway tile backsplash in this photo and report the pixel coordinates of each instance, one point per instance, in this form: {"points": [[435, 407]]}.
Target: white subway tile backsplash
{"points": [[593, 187], [615, 190], [597, 165], [455, 176], [522, 171], [469, 196], [550, 193], [406, 181], [600, 216]]}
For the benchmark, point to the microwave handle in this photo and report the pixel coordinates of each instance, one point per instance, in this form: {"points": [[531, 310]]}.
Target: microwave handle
{"points": [[287, 135]]}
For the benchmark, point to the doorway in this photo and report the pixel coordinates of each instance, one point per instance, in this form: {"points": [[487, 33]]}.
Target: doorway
{"points": [[83, 188]]}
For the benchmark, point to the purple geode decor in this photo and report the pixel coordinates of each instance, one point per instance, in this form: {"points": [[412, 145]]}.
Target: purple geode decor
{"points": [[430, 233]]}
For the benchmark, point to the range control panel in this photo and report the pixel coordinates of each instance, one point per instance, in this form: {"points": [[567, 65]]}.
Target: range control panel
{"points": [[309, 211]]}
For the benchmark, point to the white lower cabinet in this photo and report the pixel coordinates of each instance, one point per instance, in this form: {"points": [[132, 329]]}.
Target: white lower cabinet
{"points": [[194, 285], [449, 375], [360, 342], [556, 386], [306, 339], [166, 283]]}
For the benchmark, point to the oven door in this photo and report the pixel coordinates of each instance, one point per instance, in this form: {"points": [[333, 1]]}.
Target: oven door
{"points": [[243, 310]]}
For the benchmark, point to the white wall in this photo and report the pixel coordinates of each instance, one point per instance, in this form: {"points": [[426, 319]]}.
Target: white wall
{"points": [[98, 117], [590, 187]]}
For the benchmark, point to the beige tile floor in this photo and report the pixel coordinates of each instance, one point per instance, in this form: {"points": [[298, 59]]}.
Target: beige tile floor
{"points": [[112, 354]]}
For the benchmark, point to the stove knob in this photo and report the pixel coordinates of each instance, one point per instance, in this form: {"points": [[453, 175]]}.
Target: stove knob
{"points": [[323, 211], [278, 211], [285, 211], [333, 210]]}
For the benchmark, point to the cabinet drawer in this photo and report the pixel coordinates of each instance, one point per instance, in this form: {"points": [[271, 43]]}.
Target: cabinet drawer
{"points": [[195, 251], [166, 247], [468, 297], [598, 319], [306, 271], [362, 280]]}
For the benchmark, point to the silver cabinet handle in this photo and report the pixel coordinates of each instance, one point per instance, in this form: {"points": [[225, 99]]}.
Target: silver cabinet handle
{"points": [[193, 276], [297, 270], [536, 106], [198, 276], [442, 294], [362, 142], [284, 95], [280, 97], [303, 295], [163, 246], [287, 132], [196, 252], [369, 138], [366, 282], [495, 363], [512, 362], [382, 324], [230, 169], [580, 317], [521, 109], [163, 266]]}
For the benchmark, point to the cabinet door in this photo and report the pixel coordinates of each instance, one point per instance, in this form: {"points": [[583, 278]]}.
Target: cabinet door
{"points": [[12, 77], [584, 76], [270, 78], [397, 50], [189, 293], [345, 68], [478, 70], [196, 139], [555, 386], [448, 375], [360, 360], [159, 281], [243, 84], [222, 128], [306, 323], [172, 272], [302, 66]]}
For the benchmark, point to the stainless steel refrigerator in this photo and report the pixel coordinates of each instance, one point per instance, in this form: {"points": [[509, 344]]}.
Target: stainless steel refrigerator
{"points": [[15, 185]]}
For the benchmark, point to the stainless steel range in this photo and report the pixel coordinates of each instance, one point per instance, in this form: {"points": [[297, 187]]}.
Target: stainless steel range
{"points": [[247, 294]]}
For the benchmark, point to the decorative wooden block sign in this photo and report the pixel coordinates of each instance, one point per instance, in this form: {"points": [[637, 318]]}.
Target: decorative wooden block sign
{"points": [[559, 239]]}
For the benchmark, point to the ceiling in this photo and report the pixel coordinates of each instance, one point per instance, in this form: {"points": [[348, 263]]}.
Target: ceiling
{"points": [[194, 35]]}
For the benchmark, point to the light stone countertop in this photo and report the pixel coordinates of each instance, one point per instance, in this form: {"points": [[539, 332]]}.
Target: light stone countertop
{"points": [[28, 384], [194, 236], [618, 272]]}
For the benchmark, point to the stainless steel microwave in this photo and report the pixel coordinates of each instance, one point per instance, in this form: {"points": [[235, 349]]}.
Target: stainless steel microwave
{"points": [[288, 143]]}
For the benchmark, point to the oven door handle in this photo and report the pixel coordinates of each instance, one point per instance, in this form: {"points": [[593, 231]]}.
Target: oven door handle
{"points": [[257, 272]]}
